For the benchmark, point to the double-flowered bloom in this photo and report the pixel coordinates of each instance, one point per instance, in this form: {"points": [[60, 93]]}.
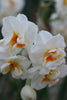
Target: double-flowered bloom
{"points": [[17, 65], [42, 57], [18, 32]]}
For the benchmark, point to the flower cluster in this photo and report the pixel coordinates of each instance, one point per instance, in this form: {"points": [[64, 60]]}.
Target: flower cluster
{"points": [[10, 7], [29, 54]]}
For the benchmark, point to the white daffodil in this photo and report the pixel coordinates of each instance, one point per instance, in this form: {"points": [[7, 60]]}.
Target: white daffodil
{"points": [[10, 7], [48, 51], [39, 81], [17, 65], [18, 32], [61, 8]]}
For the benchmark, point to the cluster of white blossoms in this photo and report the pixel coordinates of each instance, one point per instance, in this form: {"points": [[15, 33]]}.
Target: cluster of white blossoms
{"points": [[10, 7], [59, 19], [42, 57]]}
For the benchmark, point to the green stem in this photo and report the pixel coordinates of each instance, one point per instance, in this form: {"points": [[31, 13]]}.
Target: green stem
{"points": [[28, 82]]}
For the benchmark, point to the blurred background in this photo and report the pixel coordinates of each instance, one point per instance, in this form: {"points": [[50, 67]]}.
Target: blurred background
{"points": [[50, 15]]}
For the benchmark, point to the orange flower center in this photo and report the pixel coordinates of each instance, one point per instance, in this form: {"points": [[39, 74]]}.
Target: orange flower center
{"points": [[49, 77], [14, 41], [50, 56], [14, 65], [65, 2]]}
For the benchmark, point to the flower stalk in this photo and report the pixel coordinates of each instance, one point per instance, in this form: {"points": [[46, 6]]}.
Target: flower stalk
{"points": [[28, 82]]}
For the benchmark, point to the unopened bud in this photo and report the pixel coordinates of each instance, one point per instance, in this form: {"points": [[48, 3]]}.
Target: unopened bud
{"points": [[28, 93]]}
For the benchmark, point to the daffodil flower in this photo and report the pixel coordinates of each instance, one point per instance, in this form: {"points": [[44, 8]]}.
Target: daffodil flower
{"points": [[41, 80], [18, 32], [17, 65], [48, 51]]}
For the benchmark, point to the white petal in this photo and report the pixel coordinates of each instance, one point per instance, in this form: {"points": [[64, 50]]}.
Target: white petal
{"points": [[56, 42], [10, 24], [4, 53], [39, 42], [21, 18], [23, 21], [36, 59], [32, 31], [32, 71], [7, 40], [45, 36]]}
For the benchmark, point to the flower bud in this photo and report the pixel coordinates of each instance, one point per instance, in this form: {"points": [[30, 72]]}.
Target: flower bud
{"points": [[28, 93]]}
